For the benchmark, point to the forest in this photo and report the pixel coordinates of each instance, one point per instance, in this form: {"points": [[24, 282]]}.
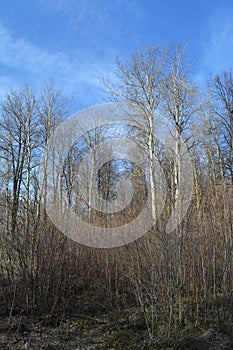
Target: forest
{"points": [[164, 290]]}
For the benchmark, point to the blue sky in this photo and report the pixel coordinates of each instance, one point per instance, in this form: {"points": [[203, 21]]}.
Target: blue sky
{"points": [[75, 42]]}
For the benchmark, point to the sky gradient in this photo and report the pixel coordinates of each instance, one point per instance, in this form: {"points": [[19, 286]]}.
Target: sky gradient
{"points": [[75, 42]]}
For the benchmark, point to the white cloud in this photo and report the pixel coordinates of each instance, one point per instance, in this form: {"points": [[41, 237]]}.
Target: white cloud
{"points": [[7, 83], [218, 53], [76, 75], [20, 54]]}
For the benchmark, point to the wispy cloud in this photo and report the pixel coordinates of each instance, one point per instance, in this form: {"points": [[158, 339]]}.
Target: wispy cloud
{"points": [[36, 64], [20, 54], [6, 84], [218, 53], [113, 27]]}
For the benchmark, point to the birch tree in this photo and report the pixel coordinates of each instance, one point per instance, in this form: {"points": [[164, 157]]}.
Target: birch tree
{"points": [[179, 103], [138, 84]]}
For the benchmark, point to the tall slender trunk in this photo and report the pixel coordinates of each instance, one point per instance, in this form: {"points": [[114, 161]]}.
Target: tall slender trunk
{"points": [[28, 141], [151, 170]]}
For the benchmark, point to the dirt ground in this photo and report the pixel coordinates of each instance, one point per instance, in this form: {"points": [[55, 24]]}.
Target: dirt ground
{"points": [[82, 333], [86, 333]]}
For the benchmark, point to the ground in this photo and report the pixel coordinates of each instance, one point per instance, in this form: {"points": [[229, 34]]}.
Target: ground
{"points": [[87, 333]]}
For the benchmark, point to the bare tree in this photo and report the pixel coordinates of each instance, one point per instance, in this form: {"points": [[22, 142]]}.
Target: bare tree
{"points": [[221, 89], [139, 85], [179, 103]]}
